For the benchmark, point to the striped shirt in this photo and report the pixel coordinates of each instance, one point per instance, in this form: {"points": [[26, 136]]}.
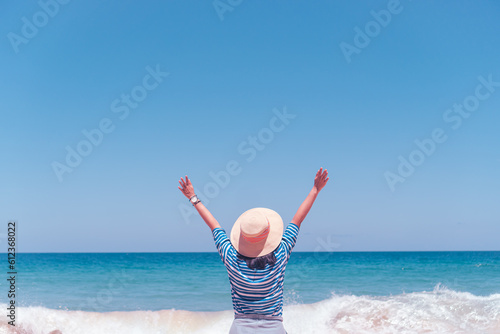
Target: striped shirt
{"points": [[256, 291]]}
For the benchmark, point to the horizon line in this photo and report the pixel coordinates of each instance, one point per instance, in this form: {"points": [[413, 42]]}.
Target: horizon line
{"points": [[162, 252]]}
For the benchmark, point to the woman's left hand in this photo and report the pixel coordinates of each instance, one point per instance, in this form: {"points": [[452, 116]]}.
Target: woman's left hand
{"points": [[186, 187]]}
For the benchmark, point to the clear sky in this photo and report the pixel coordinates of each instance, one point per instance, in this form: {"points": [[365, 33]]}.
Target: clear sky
{"points": [[105, 105]]}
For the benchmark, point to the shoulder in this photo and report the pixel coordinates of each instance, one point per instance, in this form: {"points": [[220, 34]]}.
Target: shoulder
{"points": [[289, 238], [220, 237], [291, 230]]}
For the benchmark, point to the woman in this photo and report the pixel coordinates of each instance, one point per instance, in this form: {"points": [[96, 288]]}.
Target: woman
{"points": [[255, 258]]}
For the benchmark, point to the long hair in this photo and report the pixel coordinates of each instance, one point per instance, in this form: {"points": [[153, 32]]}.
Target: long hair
{"points": [[259, 262]]}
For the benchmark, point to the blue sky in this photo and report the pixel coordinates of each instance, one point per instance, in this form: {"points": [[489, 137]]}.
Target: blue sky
{"points": [[180, 88]]}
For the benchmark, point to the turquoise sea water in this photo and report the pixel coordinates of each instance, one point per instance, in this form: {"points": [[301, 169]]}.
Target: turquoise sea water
{"points": [[198, 281], [346, 286]]}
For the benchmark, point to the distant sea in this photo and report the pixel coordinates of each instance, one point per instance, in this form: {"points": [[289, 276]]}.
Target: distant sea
{"points": [[339, 292]]}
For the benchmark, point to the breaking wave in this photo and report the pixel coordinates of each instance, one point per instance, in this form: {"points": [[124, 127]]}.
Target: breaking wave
{"points": [[439, 311]]}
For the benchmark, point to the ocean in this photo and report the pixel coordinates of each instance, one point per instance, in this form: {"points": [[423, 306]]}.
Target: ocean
{"points": [[338, 292]]}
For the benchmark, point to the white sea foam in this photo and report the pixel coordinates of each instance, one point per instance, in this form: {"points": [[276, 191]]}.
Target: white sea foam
{"points": [[438, 311]]}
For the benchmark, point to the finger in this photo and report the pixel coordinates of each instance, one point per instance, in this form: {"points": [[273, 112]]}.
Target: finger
{"points": [[182, 182], [188, 181]]}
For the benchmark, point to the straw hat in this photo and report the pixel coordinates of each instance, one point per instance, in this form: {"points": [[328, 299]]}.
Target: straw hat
{"points": [[257, 232]]}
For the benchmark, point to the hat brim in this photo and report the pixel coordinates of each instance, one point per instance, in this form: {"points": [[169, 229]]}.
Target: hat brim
{"points": [[265, 246]]}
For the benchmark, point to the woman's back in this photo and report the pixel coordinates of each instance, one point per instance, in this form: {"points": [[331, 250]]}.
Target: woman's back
{"points": [[256, 291]]}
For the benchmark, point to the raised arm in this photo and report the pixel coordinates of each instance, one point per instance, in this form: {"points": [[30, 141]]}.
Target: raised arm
{"points": [[188, 190], [319, 182]]}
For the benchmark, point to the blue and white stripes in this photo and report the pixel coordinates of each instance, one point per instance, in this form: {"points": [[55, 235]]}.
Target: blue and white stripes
{"points": [[256, 291]]}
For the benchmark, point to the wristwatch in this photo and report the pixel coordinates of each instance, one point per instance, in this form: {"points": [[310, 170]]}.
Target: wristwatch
{"points": [[194, 200]]}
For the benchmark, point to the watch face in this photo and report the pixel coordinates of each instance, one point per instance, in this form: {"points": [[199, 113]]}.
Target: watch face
{"points": [[194, 199]]}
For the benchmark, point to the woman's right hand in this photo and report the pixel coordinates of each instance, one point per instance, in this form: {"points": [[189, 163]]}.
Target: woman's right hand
{"points": [[321, 179]]}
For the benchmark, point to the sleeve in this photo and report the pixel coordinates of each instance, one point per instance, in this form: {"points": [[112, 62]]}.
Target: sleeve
{"points": [[290, 238], [223, 244]]}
